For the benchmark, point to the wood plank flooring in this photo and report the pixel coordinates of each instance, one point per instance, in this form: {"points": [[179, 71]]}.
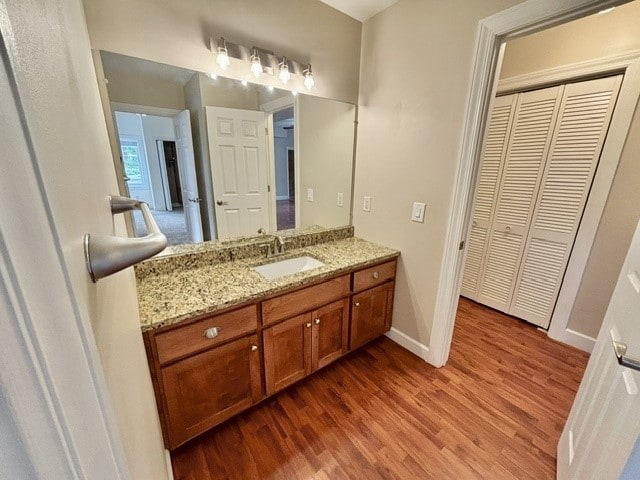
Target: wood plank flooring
{"points": [[495, 411]]}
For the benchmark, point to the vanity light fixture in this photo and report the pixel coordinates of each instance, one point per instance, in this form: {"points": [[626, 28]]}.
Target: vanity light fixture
{"points": [[256, 65], [284, 75], [222, 58], [309, 82]]}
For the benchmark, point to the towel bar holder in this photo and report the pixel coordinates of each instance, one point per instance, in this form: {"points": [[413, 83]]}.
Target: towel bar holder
{"points": [[108, 254]]}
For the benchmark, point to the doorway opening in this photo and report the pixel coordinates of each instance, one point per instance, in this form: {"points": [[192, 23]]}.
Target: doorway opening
{"points": [[284, 150], [151, 165]]}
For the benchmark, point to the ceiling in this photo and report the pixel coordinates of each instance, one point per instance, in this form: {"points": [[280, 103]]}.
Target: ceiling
{"points": [[360, 9]]}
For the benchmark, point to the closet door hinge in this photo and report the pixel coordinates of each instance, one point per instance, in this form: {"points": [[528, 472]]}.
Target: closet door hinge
{"points": [[461, 246]]}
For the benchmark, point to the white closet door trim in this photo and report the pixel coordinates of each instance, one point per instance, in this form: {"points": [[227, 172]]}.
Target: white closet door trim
{"points": [[618, 130], [526, 17], [597, 67]]}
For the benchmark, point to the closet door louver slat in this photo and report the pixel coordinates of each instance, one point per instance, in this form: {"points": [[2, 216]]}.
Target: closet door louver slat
{"points": [[529, 142], [488, 178], [585, 114]]}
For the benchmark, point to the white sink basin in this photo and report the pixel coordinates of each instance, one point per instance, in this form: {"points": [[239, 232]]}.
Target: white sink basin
{"points": [[274, 270]]}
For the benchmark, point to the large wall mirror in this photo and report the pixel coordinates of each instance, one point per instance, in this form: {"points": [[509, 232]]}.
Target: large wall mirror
{"points": [[217, 158]]}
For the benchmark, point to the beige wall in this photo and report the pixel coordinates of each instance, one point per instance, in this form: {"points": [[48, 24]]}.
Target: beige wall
{"points": [[585, 39], [416, 65], [177, 33], [147, 90], [72, 148], [227, 93], [616, 228], [325, 150]]}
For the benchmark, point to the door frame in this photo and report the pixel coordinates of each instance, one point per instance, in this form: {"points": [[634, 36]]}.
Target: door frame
{"points": [[517, 21], [270, 108], [168, 204]]}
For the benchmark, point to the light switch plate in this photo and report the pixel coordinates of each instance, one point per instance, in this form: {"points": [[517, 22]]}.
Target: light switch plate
{"points": [[341, 199], [366, 205], [309, 194], [417, 214]]}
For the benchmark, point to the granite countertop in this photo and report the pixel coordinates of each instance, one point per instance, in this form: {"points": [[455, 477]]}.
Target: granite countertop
{"points": [[167, 298]]}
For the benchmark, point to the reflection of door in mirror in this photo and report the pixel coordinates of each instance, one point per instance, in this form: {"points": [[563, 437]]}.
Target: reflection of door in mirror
{"points": [[156, 167], [239, 169]]}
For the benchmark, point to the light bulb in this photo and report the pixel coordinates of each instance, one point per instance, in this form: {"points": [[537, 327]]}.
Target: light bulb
{"points": [[309, 82], [284, 71], [245, 83], [223, 56], [256, 66]]}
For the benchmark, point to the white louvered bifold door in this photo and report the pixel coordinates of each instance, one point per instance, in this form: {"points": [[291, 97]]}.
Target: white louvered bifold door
{"points": [[495, 150], [529, 143], [582, 125]]}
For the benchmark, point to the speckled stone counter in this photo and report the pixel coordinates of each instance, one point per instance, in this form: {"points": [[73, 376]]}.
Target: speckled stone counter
{"points": [[168, 296]]}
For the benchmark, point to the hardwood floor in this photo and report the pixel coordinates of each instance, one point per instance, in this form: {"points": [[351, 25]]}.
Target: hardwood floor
{"points": [[496, 411]]}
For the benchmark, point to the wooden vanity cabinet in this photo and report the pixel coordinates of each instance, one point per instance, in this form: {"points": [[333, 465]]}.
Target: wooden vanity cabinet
{"points": [[207, 370], [371, 314], [301, 345], [203, 390]]}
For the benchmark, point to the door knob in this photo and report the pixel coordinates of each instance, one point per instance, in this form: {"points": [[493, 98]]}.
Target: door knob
{"points": [[474, 224], [220, 203], [620, 350], [195, 200], [507, 228]]}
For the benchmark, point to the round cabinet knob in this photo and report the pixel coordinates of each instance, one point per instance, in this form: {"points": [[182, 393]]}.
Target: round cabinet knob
{"points": [[375, 275], [317, 321], [308, 325], [507, 228], [357, 304], [254, 348], [212, 332]]}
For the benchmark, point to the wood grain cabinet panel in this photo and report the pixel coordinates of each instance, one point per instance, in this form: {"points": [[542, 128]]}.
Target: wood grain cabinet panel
{"points": [[287, 352], [304, 300], [182, 341], [371, 314], [208, 388], [330, 333]]}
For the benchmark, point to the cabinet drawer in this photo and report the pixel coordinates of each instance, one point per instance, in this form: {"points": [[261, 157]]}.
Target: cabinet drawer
{"points": [[183, 341], [374, 275], [291, 304]]}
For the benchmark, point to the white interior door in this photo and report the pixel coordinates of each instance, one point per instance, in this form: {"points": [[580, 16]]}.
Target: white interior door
{"points": [[188, 179], [495, 150], [583, 122], [604, 422], [239, 166], [532, 130]]}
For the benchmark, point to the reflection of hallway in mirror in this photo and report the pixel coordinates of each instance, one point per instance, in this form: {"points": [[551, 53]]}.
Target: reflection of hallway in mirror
{"points": [[171, 223], [286, 214]]}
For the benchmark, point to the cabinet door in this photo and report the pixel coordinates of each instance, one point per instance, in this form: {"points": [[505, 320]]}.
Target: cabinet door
{"points": [[495, 150], [287, 352], [583, 123], [330, 333], [371, 314], [203, 390], [532, 130]]}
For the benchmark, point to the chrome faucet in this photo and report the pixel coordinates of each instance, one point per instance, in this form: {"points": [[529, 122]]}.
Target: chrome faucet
{"points": [[278, 245]]}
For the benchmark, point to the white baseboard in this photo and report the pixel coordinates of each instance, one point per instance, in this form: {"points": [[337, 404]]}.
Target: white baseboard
{"points": [[167, 458], [575, 339], [409, 343]]}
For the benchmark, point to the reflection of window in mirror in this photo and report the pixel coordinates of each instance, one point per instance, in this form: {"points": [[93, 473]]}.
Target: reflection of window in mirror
{"points": [[131, 160]]}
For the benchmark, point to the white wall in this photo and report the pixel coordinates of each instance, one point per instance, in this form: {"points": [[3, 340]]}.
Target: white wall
{"points": [[415, 71], [70, 143], [156, 128], [586, 39], [325, 149], [147, 90], [177, 33]]}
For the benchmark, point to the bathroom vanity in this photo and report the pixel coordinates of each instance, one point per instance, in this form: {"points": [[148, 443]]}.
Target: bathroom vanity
{"points": [[221, 338]]}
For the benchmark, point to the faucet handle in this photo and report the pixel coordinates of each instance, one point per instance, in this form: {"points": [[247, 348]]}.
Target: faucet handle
{"points": [[262, 231]]}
